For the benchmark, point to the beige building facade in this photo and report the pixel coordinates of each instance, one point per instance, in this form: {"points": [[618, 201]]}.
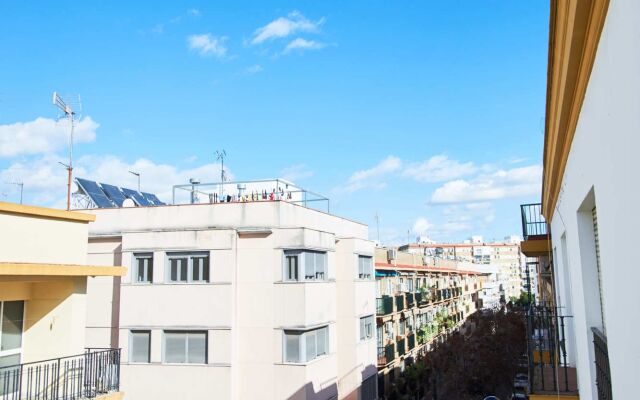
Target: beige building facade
{"points": [[43, 291], [236, 301]]}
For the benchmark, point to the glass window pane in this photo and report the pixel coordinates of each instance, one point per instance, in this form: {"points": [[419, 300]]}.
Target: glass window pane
{"points": [[196, 269], [140, 342], [321, 262], [11, 327], [362, 324], [292, 346], [205, 269], [309, 266], [292, 268], [310, 342], [197, 347], [174, 269], [174, 347], [184, 266], [321, 335]]}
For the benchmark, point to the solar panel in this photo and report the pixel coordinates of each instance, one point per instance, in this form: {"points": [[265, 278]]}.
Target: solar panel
{"points": [[153, 199], [114, 193], [136, 197], [95, 192]]}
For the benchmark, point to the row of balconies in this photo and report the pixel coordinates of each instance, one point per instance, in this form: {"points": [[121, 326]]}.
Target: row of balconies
{"points": [[400, 347], [403, 301]]}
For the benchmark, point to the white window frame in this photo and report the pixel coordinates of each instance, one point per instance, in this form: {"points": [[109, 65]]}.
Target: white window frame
{"points": [[366, 327], [185, 332], [190, 256], [17, 351], [148, 273], [319, 273], [131, 334], [365, 272], [302, 344]]}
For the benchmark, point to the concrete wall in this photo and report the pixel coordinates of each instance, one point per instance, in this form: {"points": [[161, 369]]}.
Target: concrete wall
{"points": [[601, 172]]}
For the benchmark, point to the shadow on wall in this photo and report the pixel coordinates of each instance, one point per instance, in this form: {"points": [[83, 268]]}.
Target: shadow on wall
{"points": [[366, 392]]}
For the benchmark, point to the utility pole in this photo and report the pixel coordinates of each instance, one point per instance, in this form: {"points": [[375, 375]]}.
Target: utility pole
{"points": [[138, 175], [21, 184], [70, 115], [377, 217]]}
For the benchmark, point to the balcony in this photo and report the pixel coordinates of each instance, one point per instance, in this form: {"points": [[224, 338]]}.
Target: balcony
{"points": [[410, 299], [419, 298], [535, 230], [401, 347], [384, 305], [411, 339], [603, 374], [85, 376], [400, 302], [386, 355]]}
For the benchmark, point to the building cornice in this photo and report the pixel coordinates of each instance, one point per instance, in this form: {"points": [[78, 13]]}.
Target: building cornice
{"points": [[38, 269], [43, 212], [574, 32]]}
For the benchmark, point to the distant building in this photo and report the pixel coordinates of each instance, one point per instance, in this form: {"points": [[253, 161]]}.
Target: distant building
{"points": [[419, 301], [505, 255]]}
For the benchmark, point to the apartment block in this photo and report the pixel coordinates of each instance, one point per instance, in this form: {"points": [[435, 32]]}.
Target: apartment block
{"points": [[43, 303], [235, 300], [506, 256], [417, 304]]}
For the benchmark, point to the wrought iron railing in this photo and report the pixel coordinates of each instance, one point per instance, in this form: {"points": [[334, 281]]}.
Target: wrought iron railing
{"points": [[83, 376], [386, 354], [533, 222], [603, 374]]}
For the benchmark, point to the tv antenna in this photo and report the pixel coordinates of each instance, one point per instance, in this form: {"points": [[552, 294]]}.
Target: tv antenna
{"points": [[377, 217], [220, 155], [21, 184], [71, 116], [138, 175]]}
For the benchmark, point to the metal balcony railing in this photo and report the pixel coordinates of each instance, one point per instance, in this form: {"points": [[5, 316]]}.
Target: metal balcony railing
{"points": [[385, 354], [603, 374], [84, 376], [533, 222]]}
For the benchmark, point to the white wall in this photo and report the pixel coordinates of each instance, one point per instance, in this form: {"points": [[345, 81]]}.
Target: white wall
{"points": [[602, 170]]}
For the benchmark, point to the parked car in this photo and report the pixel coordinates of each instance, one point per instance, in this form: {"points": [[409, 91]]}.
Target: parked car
{"points": [[491, 398], [521, 381], [519, 396]]}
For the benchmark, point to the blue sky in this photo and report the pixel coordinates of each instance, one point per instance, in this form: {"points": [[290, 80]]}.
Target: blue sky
{"points": [[429, 114]]}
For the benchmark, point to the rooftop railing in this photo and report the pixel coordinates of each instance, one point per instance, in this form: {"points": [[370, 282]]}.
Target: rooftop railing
{"points": [[248, 191], [84, 376], [533, 222]]}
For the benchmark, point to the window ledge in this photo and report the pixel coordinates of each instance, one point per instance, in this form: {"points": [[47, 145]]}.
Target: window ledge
{"points": [[304, 364], [302, 282]]}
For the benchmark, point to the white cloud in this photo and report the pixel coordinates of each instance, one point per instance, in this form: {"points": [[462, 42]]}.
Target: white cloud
{"points": [[437, 169], [194, 12], [372, 177], [421, 226], [43, 135], [45, 180], [497, 185], [303, 44], [296, 173], [208, 45], [254, 69], [285, 26]]}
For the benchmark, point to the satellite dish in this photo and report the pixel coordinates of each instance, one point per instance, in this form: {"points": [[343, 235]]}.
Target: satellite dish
{"points": [[128, 203]]}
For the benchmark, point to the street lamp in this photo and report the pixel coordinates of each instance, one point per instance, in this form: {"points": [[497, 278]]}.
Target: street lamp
{"points": [[138, 175]]}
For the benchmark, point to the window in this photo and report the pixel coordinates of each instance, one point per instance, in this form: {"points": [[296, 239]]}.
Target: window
{"points": [[143, 267], [188, 267], [304, 346], [365, 267], [140, 346], [402, 326], [185, 347], [366, 327], [410, 285], [313, 264], [11, 326], [388, 328]]}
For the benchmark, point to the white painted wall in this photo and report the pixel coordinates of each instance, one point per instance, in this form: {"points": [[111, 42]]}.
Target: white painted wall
{"points": [[602, 170]]}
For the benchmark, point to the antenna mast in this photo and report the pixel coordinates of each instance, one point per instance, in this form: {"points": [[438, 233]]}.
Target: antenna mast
{"points": [[70, 115], [220, 155], [377, 217]]}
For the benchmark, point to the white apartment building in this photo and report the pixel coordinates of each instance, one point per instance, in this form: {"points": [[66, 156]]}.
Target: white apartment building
{"points": [[590, 191], [245, 300]]}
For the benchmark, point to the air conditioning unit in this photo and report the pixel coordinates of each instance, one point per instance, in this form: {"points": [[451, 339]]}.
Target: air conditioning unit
{"points": [[392, 254]]}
